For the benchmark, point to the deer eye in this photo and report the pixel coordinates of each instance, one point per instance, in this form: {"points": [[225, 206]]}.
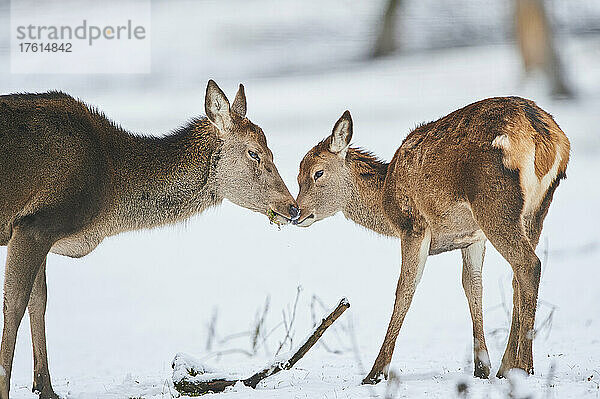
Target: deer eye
{"points": [[318, 174], [254, 156]]}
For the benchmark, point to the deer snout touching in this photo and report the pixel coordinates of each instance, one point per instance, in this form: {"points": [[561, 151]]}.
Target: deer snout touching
{"points": [[294, 212], [305, 221], [283, 208], [285, 212], [300, 217], [305, 216]]}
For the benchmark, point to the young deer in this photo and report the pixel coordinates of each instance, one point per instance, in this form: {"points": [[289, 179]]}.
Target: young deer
{"points": [[70, 177], [485, 172]]}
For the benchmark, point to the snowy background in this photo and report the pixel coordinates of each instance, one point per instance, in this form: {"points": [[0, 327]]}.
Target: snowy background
{"points": [[117, 317]]}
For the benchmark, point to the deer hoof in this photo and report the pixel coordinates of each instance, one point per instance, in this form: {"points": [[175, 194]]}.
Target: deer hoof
{"points": [[45, 393], [481, 370], [501, 373], [372, 379]]}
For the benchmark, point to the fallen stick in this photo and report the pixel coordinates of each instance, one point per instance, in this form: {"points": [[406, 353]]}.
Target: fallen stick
{"points": [[195, 387]]}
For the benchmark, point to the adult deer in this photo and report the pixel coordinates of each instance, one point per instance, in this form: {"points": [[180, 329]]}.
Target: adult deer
{"points": [[70, 177], [485, 172]]}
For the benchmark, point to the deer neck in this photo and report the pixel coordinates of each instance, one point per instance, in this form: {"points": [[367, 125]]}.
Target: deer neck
{"points": [[164, 180], [365, 203]]}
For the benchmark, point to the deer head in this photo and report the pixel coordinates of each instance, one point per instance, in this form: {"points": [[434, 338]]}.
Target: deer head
{"points": [[246, 173], [325, 176]]}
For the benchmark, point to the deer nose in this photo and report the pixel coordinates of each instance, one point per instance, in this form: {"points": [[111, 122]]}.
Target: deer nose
{"points": [[294, 212]]}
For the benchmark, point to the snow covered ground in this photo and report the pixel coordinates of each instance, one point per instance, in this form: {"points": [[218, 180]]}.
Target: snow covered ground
{"points": [[117, 317]]}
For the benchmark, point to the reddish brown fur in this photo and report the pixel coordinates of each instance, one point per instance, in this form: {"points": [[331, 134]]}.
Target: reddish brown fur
{"points": [[452, 184]]}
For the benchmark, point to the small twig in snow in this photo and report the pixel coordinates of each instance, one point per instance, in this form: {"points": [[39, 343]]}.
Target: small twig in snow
{"points": [[198, 387]]}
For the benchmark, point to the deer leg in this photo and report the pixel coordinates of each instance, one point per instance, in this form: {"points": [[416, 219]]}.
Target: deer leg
{"points": [[471, 279], [509, 359], [533, 224], [37, 310], [507, 234], [526, 268], [3, 384], [529, 281], [415, 248], [25, 253]]}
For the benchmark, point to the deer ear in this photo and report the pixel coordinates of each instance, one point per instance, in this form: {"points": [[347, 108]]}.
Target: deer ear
{"points": [[216, 106], [341, 135], [239, 104]]}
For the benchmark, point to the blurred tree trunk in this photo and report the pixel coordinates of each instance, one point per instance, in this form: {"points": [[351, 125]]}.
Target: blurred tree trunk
{"points": [[536, 44], [386, 42]]}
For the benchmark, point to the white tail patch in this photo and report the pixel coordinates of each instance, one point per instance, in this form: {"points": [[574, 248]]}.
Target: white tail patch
{"points": [[520, 156], [535, 189]]}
